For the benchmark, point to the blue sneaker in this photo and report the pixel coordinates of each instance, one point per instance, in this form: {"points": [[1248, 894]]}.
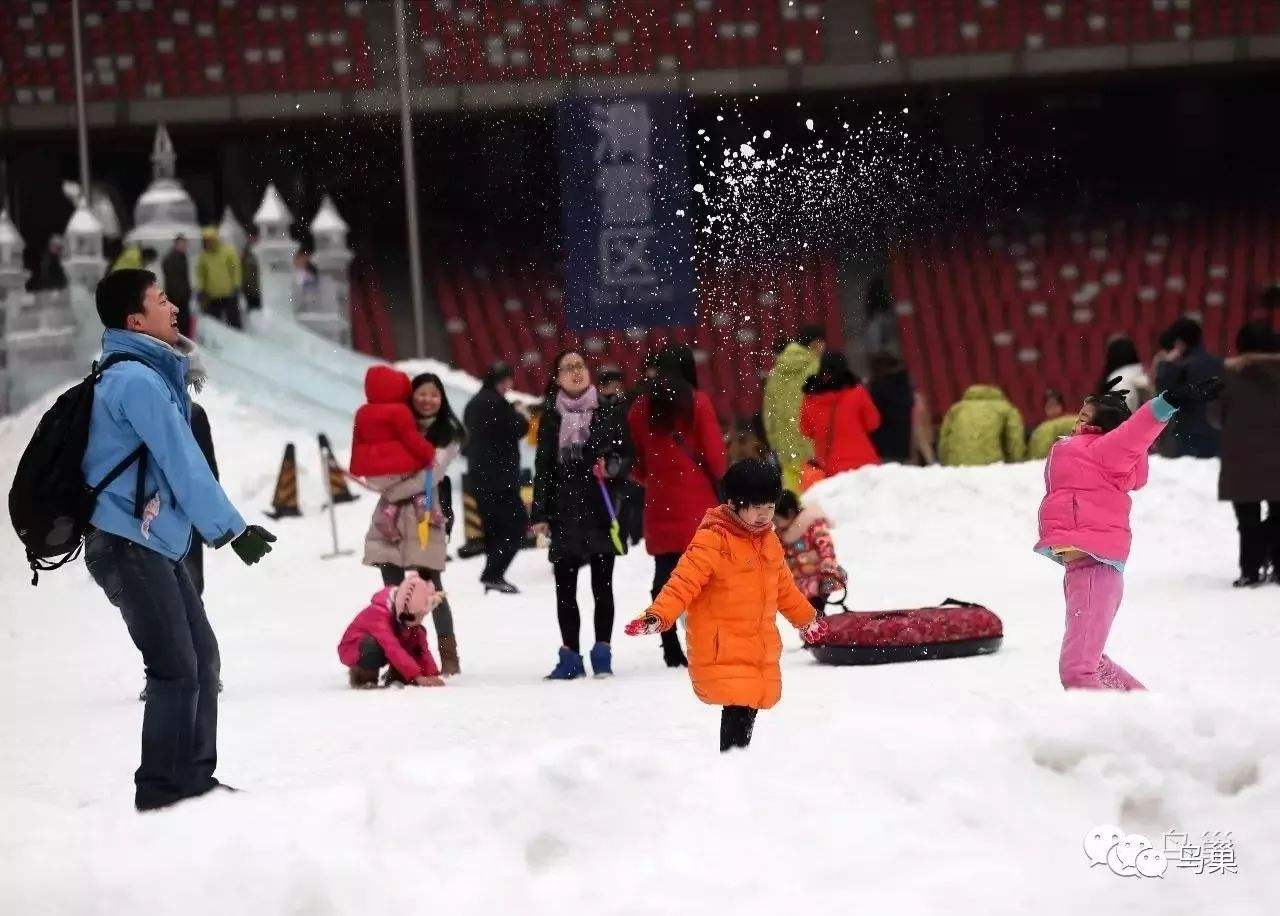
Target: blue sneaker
{"points": [[602, 660], [568, 668]]}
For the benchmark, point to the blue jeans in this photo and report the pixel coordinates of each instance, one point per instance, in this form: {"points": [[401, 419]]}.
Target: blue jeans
{"points": [[167, 622]]}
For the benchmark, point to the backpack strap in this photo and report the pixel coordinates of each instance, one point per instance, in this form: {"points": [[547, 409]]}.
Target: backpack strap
{"points": [[140, 454]]}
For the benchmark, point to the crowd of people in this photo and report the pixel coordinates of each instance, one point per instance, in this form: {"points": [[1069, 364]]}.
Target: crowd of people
{"points": [[732, 539]]}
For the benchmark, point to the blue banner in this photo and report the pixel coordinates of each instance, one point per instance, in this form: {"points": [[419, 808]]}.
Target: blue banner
{"points": [[628, 234]]}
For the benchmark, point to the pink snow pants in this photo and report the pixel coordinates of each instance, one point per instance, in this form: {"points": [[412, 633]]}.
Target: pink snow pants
{"points": [[1093, 591]]}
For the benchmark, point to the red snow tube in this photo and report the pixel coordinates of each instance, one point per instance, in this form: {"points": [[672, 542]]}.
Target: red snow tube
{"points": [[952, 629]]}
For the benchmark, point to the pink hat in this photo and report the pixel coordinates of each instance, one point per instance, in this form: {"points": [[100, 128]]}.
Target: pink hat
{"points": [[414, 595]]}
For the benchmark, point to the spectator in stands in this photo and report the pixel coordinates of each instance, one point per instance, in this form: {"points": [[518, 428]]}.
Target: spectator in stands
{"points": [[1122, 360], [579, 438], [218, 279], [982, 428], [251, 274], [782, 396], [1184, 361], [679, 459], [177, 282], [494, 430], [892, 392], [50, 273], [1250, 471], [1057, 423], [415, 536], [838, 417]]}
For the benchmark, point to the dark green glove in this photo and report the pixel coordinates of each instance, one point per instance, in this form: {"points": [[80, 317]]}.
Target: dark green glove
{"points": [[253, 544], [1197, 393]]}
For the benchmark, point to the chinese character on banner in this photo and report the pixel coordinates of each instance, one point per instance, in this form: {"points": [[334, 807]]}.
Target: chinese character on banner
{"points": [[624, 257], [624, 199], [625, 129]]}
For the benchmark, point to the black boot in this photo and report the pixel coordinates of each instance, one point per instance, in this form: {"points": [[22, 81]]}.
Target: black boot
{"points": [[1253, 554], [736, 725], [672, 654]]}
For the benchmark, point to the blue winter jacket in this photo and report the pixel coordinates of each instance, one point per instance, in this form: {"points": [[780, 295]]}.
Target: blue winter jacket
{"points": [[147, 404]]}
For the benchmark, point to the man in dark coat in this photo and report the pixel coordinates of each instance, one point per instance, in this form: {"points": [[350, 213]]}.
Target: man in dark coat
{"points": [[1186, 362], [1250, 471], [494, 430], [177, 282], [891, 390], [49, 272]]}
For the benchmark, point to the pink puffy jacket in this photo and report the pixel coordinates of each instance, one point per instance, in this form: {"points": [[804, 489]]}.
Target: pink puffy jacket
{"points": [[1088, 478], [406, 647]]}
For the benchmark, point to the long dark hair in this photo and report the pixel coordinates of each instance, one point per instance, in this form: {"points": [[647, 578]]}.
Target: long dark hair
{"points": [[833, 374], [446, 428], [670, 390], [1121, 352]]}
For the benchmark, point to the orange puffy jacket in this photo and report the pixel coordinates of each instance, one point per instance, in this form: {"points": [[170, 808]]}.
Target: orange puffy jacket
{"points": [[733, 581]]}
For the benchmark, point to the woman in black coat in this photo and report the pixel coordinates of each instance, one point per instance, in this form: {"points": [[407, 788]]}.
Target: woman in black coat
{"points": [[1250, 469], [582, 442]]}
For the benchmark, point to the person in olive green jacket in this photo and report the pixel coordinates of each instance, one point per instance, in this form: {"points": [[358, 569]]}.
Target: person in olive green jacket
{"points": [[783, 392], [218, 279], [1057, 423], [982, 428]]}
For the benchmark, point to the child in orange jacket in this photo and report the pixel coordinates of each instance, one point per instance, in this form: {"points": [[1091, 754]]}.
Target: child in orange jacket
{"points": [[732, 579]]}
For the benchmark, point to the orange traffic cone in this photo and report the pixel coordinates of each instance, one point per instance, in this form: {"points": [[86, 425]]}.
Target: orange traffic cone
{"points": [[284, 504], [338, 492]]}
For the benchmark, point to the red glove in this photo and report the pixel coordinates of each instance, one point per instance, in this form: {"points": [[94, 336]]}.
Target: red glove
{"points": [[643, 626], [815, 632]]}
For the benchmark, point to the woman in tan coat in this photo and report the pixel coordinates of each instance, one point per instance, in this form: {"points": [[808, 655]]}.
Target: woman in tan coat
{"points": [[408, 532]]}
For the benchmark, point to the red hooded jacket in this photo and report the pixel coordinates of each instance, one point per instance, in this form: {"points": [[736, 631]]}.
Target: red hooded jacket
{"points": [[855, 417], [406, 647], [677, 491], [386, 439]]}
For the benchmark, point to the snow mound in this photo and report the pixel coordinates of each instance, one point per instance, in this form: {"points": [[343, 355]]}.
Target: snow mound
{"points": [[947, 786]]}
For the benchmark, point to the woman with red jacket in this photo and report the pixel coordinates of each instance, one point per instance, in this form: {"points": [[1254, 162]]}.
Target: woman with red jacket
{"points": [[679, 460], [839, 416]]}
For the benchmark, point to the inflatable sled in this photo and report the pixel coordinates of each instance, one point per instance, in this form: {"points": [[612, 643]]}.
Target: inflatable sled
{"points": [[953, 629]]}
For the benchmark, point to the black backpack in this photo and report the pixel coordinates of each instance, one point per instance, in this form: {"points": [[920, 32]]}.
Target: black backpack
{"points": [[50, 502]]}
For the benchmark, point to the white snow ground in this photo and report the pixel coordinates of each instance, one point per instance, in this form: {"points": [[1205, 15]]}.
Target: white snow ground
{"points": [[960, 786]]}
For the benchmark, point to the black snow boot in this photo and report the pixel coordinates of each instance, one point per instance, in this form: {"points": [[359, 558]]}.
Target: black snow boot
{"points": [[736, 725]]}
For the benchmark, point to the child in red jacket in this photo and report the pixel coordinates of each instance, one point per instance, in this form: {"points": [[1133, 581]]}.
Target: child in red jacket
{"points": [[390, 631], [806, 539]]}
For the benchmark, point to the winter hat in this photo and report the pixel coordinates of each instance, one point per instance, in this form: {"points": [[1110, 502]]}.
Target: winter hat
{"points": [[413, 596], [752, 482]]}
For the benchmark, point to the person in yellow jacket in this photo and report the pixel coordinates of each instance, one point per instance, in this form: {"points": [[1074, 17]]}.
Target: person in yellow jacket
{"points": [[1057, 423], [135, 257], [783, 392], [218, 279], [982, 428]]}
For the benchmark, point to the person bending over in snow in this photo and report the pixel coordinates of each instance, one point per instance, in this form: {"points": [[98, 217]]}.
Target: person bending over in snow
{"points": [[811, 556], [390, 632], [1084, 519], [732, 579]]}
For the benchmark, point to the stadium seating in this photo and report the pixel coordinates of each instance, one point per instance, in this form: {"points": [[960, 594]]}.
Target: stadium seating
{"points": [[499, 310], [151, 49], [924, 28], [1032, 306], [467, 41]]}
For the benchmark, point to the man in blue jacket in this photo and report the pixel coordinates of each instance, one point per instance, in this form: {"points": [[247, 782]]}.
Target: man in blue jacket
{"points": [[143, 527]]}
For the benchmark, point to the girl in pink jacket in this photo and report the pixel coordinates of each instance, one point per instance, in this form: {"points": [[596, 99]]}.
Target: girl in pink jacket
{"points": [[390, 632], [1084, 520]]}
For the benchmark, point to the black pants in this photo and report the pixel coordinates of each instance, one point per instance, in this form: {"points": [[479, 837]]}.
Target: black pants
{"points": [[566, 573], [736, 725], [442, 615], [504, 519], [1259, 539], [664, 564], [167, 622], [226, 310], [194, 561], [252, 301]]}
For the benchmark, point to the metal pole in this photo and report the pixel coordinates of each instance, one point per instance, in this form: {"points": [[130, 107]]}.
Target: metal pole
{"points": [[333, 509], [410, 184], [82, 127]]}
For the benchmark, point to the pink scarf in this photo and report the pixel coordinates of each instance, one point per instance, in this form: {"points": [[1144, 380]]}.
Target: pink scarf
{"points": [[575, 420]]}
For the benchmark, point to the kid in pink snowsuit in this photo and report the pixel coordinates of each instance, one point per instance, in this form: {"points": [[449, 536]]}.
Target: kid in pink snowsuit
{"points": [[390, 631], [1084, 521]]}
